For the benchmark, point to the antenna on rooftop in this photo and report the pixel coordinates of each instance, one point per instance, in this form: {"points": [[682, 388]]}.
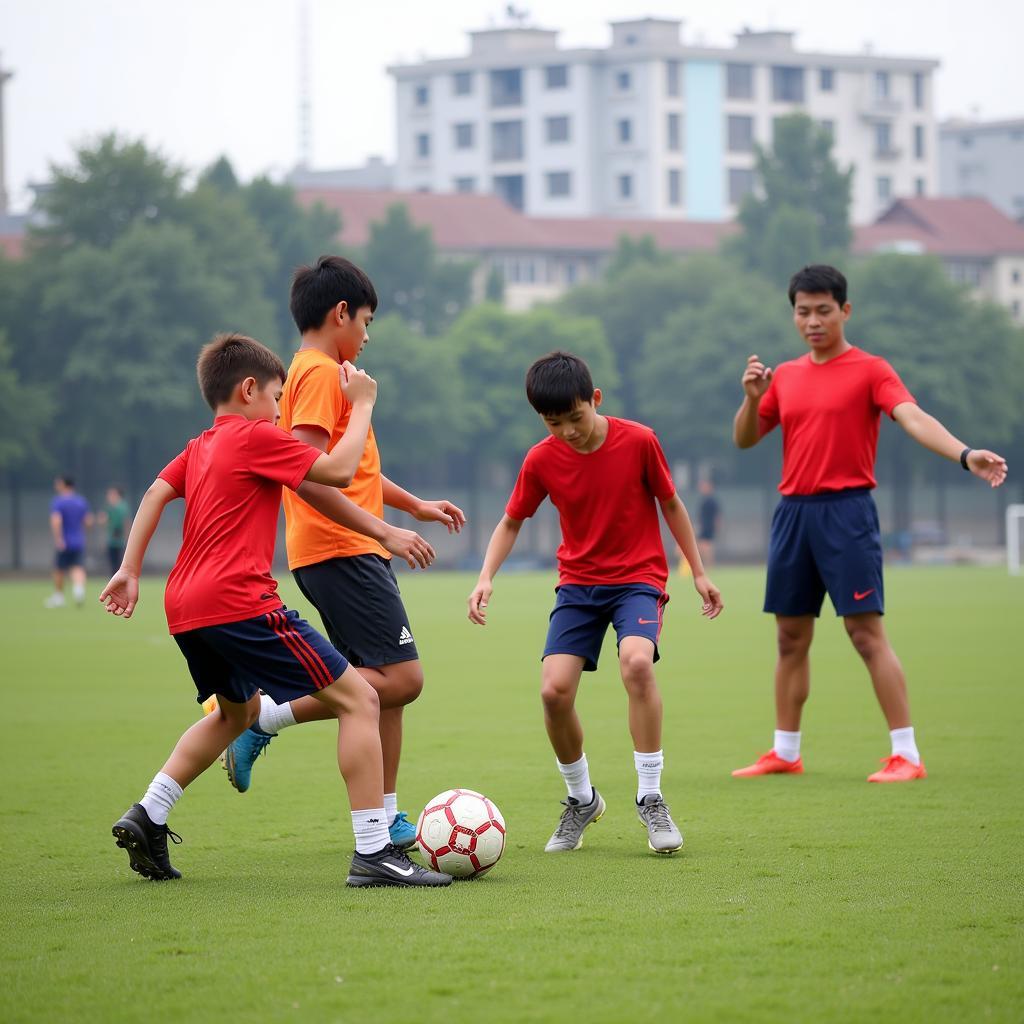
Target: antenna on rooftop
{"points": [[305, 102], [517, 15]]}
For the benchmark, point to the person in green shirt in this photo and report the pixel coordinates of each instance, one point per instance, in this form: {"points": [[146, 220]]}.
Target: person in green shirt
{"points": [[117, 519]]}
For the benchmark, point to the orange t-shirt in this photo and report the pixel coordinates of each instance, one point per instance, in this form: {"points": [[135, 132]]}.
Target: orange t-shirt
{"points": [[312, 398]]}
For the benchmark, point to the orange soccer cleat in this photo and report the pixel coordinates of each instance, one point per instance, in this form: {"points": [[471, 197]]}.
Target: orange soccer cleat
{"points": [[898, 769], [770, 764]]}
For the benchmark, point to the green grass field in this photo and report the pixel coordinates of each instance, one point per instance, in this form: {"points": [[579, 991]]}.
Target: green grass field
{"points": [[813, 898]]}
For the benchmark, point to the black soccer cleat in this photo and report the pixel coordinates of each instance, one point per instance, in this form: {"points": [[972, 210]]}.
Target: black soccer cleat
{"points": [[146, 844], [391, 866]]}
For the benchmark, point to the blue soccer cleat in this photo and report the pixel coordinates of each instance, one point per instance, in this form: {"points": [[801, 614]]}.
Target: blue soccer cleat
{"points": [[241, 756], [402, 832]]}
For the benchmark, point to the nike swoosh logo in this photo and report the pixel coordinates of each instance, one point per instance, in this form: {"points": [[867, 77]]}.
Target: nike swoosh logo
{"points": [[647, 622], [399, 871], [859, 595]]}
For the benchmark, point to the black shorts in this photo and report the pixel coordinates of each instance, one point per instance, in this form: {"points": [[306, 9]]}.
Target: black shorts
{"points": [[361, 609], [69, 558], [277, 652]]}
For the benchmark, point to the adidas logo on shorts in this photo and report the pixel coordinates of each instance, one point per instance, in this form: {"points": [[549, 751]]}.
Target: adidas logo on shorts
{"points": [[405, 637]]}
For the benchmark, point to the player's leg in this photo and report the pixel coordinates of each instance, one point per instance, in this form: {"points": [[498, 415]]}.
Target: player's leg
{"points": [[78, 579], [56, 599], [559, 683]]}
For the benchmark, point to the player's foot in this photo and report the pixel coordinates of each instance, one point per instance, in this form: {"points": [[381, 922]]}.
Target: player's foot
{"points": [[146, 844], [402, 832], [575, 818], [55, 601], [898, 769], [770, 764], [391, 866], [662, 834], [241, 756]]}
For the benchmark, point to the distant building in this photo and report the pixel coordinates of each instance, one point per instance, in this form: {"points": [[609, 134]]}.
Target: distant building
{"points": [[651, 127], [985, 159], [375, 173], [12, 235]]}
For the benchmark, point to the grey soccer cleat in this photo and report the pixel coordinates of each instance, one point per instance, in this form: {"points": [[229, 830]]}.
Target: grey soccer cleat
{"points": [[662, 834], [575, 818]]}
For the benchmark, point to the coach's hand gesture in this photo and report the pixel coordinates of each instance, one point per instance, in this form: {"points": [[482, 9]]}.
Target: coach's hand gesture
{"points": [[756, 378], [357, 385]]}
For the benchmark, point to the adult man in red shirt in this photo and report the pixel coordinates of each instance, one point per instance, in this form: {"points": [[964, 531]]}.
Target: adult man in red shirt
{"points": [[607, 477], [825, 533]]}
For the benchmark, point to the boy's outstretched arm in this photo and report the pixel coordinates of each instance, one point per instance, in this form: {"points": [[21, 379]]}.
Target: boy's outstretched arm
{"points": [[926, 430], [678, 521], [121, 594], [498, 548], [445, 512]]}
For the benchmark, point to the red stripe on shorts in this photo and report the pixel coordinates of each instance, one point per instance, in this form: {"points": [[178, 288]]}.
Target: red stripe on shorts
{"points": [[305, 645], [277, 623]]}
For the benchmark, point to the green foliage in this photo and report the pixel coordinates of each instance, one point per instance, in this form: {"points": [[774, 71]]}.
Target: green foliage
{"points": [[30, 408]]}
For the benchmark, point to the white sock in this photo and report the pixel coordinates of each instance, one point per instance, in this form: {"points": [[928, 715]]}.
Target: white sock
{"points": [[577, 779], [371, 830], [78, 590], [274, 717], [162, 795], [787, 745], [903, 743], [648, 773], [390, 806]]}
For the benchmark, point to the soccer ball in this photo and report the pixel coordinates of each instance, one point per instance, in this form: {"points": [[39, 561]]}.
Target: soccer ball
{"points": [[461, 832]]}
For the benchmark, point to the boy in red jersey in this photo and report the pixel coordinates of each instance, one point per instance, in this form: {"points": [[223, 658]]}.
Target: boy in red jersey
{"points": [[607, 477], [825, 534], [224, 613]]}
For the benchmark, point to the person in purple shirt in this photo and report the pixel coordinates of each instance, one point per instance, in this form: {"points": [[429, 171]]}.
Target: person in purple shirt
{"points": [[70, 517]]}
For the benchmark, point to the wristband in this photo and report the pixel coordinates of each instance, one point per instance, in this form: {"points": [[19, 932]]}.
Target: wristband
{"points": [[963, 458]]}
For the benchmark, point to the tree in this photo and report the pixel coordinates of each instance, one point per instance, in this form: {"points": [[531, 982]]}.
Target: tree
{"points": [[801, 213]]}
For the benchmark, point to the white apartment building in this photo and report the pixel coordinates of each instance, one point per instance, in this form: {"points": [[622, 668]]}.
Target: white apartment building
{"points": [[651, 127], [986, 159]]}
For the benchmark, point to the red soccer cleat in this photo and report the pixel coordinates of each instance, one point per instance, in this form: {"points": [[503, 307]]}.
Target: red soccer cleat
{"points": [[899, 769], [770, 764]]}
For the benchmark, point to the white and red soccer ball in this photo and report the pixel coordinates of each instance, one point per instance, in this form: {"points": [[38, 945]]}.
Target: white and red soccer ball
{"points": [[461, 832]]}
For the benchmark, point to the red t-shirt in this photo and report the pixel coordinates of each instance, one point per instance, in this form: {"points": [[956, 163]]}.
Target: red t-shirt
{"points": [[606, 505], [830, 416], [231, 478]]}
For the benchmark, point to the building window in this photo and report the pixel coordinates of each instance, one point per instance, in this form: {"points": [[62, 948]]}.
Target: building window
{"points": [[511, 188], [918, 85], [673, 80], [919, 186], [556, 76], [624, 130], [788, 85], [462, 83], [883, 138], [571, 273], [674, 132], [1015, 276], [559, 184], [625, 186], [422, 95], [465, 184], [675, 187], [966, 141], [507, 140], [883, 188], [739, 81], [829, 127], [881, 85], [919, 141], [464, 135], [826, 79], [423, 146], [741, 182], [1015, 309], [556, 129], [507, 87], [623, 81], [740, 131]]}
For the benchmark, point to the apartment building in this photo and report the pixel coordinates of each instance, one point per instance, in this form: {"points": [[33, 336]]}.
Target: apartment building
{"points": [[984, 159], [651, 126]]}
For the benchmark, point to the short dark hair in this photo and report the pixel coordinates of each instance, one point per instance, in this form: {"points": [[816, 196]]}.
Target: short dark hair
{"points": [[318, 289], [67, 481], [556, 382], [227, 360], [817, 279]]}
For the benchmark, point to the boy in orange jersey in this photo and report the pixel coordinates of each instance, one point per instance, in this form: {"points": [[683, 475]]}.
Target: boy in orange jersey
{"points": [[346, 576]]}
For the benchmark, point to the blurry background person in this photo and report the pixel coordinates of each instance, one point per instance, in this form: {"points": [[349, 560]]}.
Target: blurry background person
{"points": [[709, 519], [116, 517], [69, 519]]}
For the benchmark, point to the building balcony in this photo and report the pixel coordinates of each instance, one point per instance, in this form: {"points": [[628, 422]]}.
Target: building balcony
{"points": [[888, 153], [873, 108]]}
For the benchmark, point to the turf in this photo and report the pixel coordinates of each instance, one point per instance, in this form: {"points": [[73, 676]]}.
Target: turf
{"points": [[813, 898]]}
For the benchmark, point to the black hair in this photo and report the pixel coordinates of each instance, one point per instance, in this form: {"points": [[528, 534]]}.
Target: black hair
{"points": [[318, 289], [67, 481], [556, 382], [817, 279], [227, 360]]}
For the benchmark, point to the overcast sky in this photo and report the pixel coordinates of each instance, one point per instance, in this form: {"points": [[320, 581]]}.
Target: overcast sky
{"points": [[198, 78]]}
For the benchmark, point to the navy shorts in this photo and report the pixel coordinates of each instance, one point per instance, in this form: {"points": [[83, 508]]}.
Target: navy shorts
{"points": [[69, 558], [825, 542], [277, 652], [582, 615], [361, 609]]}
